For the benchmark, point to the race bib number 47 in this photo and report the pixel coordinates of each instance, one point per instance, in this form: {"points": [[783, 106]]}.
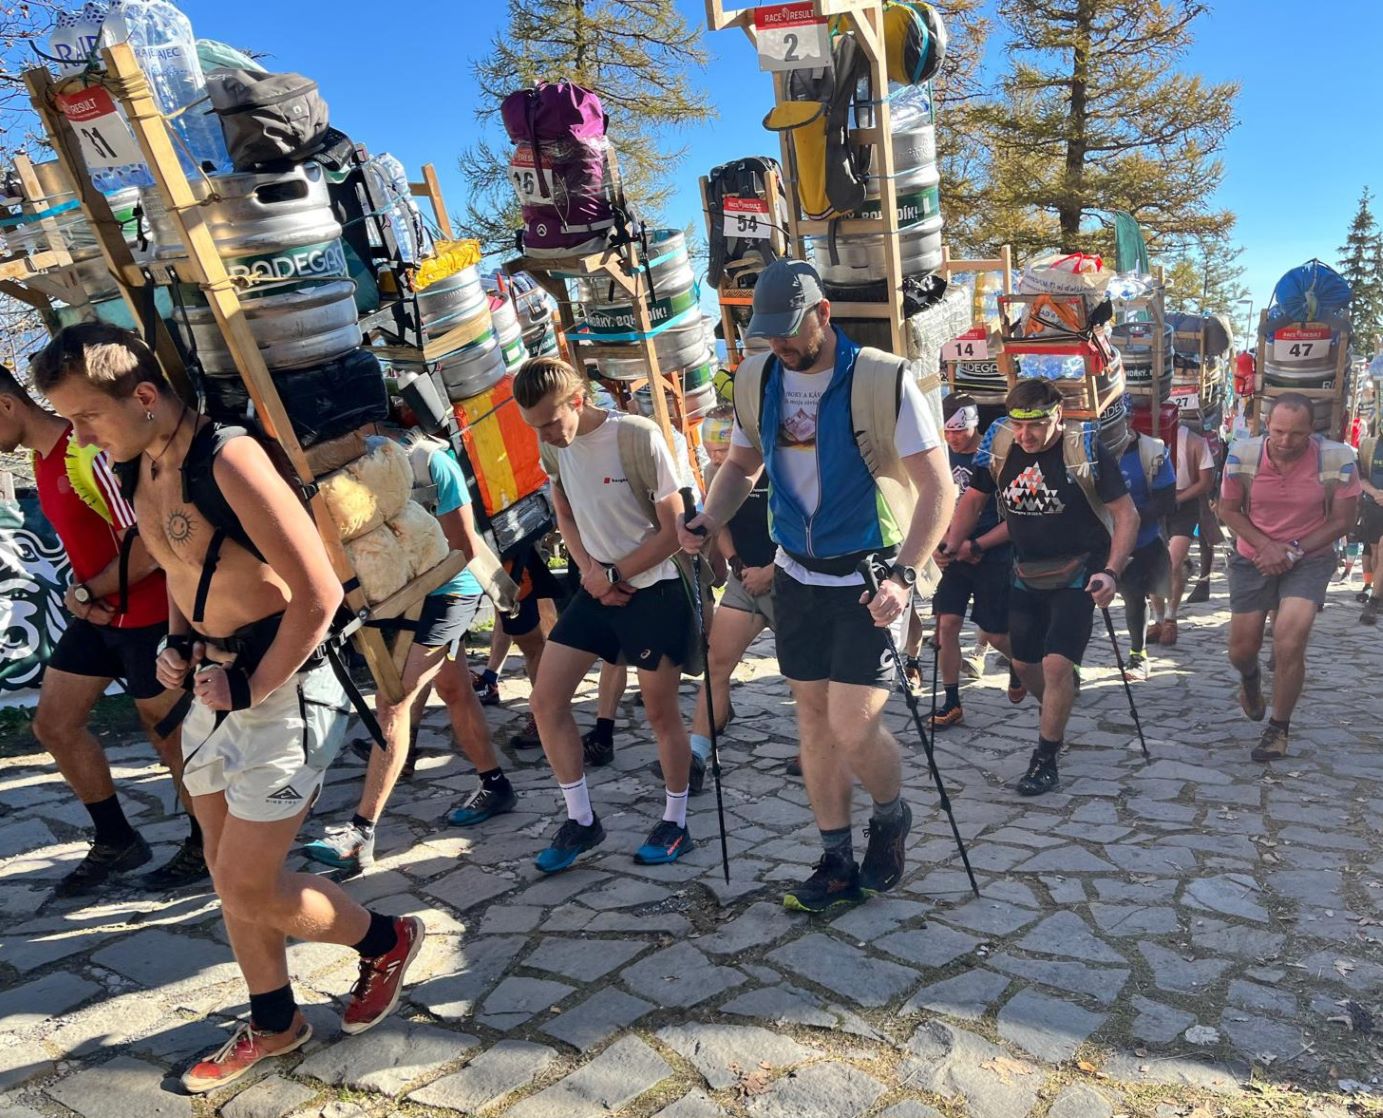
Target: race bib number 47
{"points": [[1296, 344], [791, 37]]}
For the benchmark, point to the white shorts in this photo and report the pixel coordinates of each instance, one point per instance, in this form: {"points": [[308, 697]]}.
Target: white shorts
{"points": [[270, 759]]}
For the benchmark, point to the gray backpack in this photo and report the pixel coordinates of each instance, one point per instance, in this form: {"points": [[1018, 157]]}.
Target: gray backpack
{"points": [[267, 118]]}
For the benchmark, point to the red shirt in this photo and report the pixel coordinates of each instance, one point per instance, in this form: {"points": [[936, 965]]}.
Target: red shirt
{"points": [[91, 540]]}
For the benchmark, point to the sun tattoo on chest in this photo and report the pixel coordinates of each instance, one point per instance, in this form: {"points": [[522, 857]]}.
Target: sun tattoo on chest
{"points": [[178, 527]]}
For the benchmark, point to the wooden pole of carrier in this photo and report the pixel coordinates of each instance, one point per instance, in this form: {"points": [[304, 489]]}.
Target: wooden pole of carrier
{"points": [[431, 189], [208, 271]]}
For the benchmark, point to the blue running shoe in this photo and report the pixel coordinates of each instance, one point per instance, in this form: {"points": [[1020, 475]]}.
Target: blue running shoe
{"points": [[571, 841], [666, 843], [482, 804], [344, 848]]}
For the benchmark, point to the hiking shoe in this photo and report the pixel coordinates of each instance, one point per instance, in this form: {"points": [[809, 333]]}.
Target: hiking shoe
{"points": [[1075, 679], [949, 715], [834, 883], [486, 692], [569, 843], [1136, 667], [597, 753], [344, 847], [882, 868], [1041, 776], [912, 671], [246, 1047], [482, 804], [696, 780], [1200, 592], [972, 667], [186, 867], [1272, 746], [377, 990], [1251, 700], [1016, 691], [1369, 614], [1169, 633], [1363, 595], [103, 861], [665, 843], [794, 766], [1153, 635], [527, 738]]}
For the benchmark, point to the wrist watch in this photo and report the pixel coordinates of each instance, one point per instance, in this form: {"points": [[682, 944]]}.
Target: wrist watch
{"points": [[904, 574], [612, 575], [736, 564], [181, 643], [1295, 552], [82, 594]]}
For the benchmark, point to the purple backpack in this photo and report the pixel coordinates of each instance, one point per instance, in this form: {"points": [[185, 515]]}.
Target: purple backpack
{"points": [[559, 168]]}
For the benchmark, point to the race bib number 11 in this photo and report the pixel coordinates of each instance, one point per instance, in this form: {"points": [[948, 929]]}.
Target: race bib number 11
{"points": [[104, 138], [791, 37]]}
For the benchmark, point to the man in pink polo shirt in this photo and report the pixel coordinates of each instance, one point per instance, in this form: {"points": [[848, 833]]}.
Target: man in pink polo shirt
{"points": [[1287, 496]]}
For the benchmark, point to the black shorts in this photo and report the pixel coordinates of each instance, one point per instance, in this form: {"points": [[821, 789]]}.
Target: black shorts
{"points": [[1149, 571], [101, 652], [1370, 527], [982, 586], [1184, 520], [825, 633], [1045, 622], [656, 622], [535, 581], [445, 618]]}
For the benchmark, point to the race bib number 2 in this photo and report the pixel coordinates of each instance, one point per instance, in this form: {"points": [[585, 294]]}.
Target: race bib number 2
{"points": [[791, 37]]}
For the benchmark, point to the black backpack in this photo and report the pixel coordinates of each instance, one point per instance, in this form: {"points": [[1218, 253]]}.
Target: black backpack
{"points": [[741, 178]]}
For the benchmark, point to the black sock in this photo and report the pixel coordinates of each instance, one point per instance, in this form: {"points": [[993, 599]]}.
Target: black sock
{"points": [[1048, 750], [194, 836], [488, 676], [1283, 724], [839, 842], [605, 731], [493, 779], [1013, 680], [952, 694], [112, 828], [381, 938], [273, 1012], [365, 826]]}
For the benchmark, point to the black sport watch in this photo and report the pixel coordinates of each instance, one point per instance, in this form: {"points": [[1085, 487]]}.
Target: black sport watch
{"points": [[904, 574], [612, 575]]}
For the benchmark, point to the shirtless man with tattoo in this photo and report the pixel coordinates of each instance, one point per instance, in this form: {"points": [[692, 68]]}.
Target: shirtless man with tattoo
{"points": [[250, 602]]}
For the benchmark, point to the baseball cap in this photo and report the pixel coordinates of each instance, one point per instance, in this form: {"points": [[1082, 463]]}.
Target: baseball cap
{"points": [[786, 290]]}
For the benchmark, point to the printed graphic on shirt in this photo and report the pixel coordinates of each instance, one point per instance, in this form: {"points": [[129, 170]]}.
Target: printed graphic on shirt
{"points": [[1028, 494], [961, 472], [797, 429]]}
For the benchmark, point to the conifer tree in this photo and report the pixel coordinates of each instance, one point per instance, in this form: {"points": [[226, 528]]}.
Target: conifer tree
{"points": [[1361, 264], [637, 55], [1207, 280]]}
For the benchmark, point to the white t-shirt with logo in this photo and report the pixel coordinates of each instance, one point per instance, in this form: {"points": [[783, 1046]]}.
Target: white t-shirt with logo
{"points": [[796, 460], [608, 515]]}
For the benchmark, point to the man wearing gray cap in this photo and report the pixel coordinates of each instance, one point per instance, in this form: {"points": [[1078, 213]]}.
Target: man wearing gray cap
{"points": [[855, 469]]}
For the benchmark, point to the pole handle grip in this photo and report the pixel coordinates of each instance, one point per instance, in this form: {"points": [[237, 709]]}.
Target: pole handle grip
{"points": [[689, 509], [871, 579]]}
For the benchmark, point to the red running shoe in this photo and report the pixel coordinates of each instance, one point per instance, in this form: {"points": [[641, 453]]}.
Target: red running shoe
{"points": [[377, 990], [239, 1054]]}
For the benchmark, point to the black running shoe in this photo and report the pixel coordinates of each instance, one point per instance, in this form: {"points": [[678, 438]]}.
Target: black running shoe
{"points": [[1041, 776], [569, 843], [527, 737], [186, 867], [1363, 595], [597, 753], [835, 883], [482, 804], [1200, 593], [103, 861], [884, 856]]}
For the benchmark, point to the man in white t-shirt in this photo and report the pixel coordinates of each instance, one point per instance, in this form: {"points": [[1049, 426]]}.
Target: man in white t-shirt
{"points": [[1195, 476], [632, 607], [794, 411]]}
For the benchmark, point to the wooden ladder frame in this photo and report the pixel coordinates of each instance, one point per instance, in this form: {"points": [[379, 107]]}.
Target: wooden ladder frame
{"points": [[204, 266], [867, 16], [1003, 264]]}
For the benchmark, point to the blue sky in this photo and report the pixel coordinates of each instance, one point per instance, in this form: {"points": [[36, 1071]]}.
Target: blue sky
{"points": [[397, 77]]}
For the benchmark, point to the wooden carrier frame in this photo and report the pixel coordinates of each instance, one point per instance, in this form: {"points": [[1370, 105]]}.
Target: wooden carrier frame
{"points": [[203, 266], [1003, 264], [1338, 393]]}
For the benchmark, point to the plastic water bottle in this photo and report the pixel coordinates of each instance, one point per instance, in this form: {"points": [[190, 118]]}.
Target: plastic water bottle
{"points": [[1052, 366], [162, 39], [76, 34], [404, 215]]}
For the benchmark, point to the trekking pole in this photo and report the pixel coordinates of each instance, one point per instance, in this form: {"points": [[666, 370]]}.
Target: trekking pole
{"points": [[871, 580], [688, 512], [1119, 659], [936, 655]]}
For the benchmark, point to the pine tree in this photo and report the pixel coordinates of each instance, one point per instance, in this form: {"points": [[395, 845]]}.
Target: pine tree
{"points": [[636, 54], [1093, 116], [1361, 264], [1207, 280]]}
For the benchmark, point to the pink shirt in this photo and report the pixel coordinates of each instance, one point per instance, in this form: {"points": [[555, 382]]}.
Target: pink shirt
{"points": [[1286, 505]]}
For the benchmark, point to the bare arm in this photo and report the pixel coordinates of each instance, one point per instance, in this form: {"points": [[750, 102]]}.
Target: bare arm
{"points": [[1343, 513], [658, 547], [967, 514], [459, 528], [733, 483], [286, 536], [571, 534], [930, 472], [107, 580], [1125, 535]]}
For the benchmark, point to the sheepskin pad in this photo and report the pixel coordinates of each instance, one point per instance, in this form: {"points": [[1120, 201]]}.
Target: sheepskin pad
{"points": [[380, 562], [374, 488], [421, 538]]}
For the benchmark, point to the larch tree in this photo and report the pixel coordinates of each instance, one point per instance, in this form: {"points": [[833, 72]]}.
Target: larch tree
{"points": [[1094, 115], [1207, 279], [637, 55], [1361, 264]]}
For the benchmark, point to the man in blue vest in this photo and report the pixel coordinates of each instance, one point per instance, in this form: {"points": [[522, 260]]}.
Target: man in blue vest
{"points": [[1151, 482], [829, 509]]}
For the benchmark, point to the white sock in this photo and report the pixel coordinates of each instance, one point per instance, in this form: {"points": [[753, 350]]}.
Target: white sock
{"points": [[675, 810], [578, 799]]}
